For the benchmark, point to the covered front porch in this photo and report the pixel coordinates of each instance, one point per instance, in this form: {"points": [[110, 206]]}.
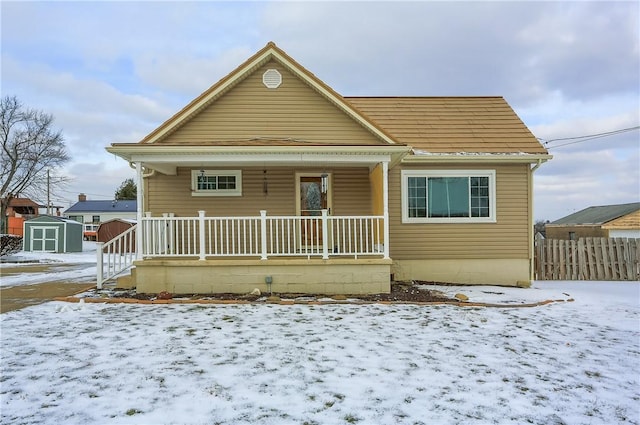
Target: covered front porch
{"points": [[293, 254], [282, 254], [324, 227]]}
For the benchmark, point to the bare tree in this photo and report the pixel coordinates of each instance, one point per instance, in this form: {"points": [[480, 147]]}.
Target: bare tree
{"points": [[30, 147]]}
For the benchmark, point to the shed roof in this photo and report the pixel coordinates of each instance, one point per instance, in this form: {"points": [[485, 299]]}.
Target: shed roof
{"points": [[51, 219], [598, 214], [103, 206]]}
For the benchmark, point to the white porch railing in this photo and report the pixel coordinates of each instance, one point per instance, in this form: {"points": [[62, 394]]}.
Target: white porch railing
{"points": [[115, 256], [262, 236]]}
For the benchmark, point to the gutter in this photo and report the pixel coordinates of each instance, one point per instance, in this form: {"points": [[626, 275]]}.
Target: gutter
{"points": [[431, 158]]}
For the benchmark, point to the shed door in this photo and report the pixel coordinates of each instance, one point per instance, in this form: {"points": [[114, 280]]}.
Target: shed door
{"points": [[44, 239]]}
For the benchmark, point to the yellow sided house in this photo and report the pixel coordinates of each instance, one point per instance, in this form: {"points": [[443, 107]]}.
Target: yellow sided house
{"points": [[272, 180]]}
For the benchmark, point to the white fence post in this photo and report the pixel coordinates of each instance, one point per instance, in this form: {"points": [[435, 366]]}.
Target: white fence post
{"points": [[201, 234], [99, 265], [263, 234], [325, 235]]}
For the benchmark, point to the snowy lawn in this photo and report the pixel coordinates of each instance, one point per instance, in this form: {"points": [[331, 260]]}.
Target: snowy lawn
{"points": [[564, 363], [70, 267]]}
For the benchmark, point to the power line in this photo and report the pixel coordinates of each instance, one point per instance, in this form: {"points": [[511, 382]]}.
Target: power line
{"points": [[580, 139]]}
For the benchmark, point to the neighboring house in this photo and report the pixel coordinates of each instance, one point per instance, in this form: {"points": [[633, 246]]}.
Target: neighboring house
{"points": [[272, 180], [92, 213], [18, 211], [606, 221]]}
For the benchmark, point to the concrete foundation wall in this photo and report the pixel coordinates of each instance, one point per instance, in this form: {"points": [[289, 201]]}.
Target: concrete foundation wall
{"points": [[505, 272], [336, 276]]}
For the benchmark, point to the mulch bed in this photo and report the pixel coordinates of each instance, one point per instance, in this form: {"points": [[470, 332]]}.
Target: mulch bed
{"points": [[400, 291]]}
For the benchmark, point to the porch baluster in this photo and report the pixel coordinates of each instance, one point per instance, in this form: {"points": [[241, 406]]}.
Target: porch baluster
{"points": [[325, 235], [201, 234], [263, 234]]}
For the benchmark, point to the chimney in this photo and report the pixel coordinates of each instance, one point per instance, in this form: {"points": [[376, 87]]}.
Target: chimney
{"points": [[82, 197]]}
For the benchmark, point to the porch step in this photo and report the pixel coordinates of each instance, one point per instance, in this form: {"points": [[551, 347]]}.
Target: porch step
{"points": [[128, 281]]}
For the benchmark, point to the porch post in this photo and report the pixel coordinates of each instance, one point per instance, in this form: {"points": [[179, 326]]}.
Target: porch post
{"points": [[325, 235], [385, 202], [263, 234], [201, 234], [140, 204]]}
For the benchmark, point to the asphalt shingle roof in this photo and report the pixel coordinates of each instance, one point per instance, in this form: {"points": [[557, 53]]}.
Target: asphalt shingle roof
{"points": [[599, 214], [103, 206]]}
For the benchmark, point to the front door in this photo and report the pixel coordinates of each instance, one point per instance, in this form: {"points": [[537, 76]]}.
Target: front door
{"points": [[313, 195]]}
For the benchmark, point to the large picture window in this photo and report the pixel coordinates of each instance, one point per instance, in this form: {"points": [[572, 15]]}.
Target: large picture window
{"points": [[216, 182], [448, 196]]}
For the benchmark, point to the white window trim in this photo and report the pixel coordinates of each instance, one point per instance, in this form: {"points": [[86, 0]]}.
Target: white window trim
{"points": [[405, 174], [218, 192]]}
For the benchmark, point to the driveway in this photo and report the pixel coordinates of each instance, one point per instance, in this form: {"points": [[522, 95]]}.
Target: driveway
{"points": [[20, 296]]}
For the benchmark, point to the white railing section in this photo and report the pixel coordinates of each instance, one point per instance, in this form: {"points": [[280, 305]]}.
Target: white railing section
{"points": [[115, 256], [262, 236]]}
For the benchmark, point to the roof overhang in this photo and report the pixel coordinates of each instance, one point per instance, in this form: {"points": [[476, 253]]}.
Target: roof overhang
{"points": [[476, 157], [166, 159]]}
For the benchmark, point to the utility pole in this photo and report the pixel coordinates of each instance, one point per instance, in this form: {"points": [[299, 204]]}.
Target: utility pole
{"points": [[48, 193]]}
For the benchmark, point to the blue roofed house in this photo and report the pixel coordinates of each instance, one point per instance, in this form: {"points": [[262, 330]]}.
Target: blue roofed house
{"points": [[92, 213]]}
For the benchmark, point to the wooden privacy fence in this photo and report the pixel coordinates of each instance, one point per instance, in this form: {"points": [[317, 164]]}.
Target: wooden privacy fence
{"points": [[588, 259]]}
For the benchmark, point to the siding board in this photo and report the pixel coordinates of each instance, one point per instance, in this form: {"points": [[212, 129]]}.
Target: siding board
{"points": [[507, 238], [172, 194], [294, 110]]}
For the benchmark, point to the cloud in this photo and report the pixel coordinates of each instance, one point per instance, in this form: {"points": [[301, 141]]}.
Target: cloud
{"points": [[183, 73], [573, 181], [520, 49], [584, 50], [97, 179]]}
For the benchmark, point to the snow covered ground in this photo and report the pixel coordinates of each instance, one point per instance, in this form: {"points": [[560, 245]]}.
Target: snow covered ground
{"points": [[69, 267], [563, 363]]}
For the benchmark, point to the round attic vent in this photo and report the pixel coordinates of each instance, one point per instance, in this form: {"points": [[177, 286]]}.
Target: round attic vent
{"points": [[272, 78]]}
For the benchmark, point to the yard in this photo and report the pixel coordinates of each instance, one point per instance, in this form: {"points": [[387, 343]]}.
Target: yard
{"points": [[563, 363]]}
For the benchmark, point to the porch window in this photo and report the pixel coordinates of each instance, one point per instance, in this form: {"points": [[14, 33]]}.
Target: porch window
{"points": [[451, 196], [216, 182]]}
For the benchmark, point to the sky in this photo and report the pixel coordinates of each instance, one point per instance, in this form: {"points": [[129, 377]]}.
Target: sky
{"points": [[113, 71]]}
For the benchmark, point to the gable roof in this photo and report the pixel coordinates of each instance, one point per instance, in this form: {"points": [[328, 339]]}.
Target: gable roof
{"points": [[598, 214], [266, 54], [408, 129], [23, 202], [103, 206]]}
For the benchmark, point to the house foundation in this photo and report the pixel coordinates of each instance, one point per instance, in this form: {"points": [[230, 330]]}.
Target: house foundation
{"points": [[300, 276], [503, 272]]}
